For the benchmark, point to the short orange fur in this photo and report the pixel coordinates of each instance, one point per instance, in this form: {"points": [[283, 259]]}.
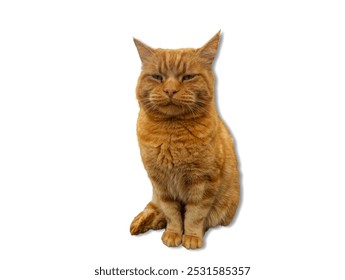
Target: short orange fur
{"points": [[186, 149]]}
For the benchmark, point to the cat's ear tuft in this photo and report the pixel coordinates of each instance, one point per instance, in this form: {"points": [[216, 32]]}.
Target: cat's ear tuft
{"points": [[208, 51], [145, 52]]}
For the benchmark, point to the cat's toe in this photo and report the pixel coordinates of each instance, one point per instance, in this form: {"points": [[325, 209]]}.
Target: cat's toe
{"points": [[171, 239], [192, 242]]}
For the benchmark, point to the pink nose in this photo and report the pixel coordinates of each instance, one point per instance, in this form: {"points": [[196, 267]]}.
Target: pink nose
{"points": [[170, 91]]}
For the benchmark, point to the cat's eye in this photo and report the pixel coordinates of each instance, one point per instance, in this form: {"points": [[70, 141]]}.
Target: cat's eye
{"points": [[188, 77], [157, 77]]}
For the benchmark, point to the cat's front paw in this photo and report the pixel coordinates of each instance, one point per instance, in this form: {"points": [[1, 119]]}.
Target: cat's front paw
{"points": [[171, 239], [192, 242]]}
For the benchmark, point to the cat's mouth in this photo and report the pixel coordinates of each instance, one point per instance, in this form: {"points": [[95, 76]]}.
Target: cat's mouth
{"points": [[169, 102], [170, 107]]}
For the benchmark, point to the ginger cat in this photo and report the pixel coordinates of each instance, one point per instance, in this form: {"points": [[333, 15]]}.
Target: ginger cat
{"points": [[186, 149]]}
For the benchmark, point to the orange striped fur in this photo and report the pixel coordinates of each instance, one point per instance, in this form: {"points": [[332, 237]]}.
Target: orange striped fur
{"points": [[186, 149]]}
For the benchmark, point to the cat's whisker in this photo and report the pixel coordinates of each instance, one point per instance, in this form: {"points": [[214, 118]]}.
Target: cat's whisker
{"points": [[191, 110], [149, 105]]}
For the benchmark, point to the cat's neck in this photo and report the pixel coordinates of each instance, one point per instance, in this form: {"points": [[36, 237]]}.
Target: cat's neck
{"points": [[207, 121], [209, 114]]}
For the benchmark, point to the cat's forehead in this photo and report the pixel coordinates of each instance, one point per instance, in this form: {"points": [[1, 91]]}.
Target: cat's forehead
{"points": [[175, 60]]}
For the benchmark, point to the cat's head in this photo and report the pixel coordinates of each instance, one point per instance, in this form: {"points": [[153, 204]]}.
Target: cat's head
{"points": [[176, 83]]}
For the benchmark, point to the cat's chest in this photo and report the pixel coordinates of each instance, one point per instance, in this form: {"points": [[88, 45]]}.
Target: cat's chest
{"points": [[170, 152], [178, 147], [176, 154], [176, 158]]}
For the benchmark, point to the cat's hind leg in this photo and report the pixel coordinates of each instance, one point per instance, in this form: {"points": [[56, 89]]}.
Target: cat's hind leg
{"points": [[150, 218]]}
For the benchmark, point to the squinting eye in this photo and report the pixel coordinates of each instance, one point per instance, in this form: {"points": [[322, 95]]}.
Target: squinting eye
{"points": [[187, 77], [157, 77]]}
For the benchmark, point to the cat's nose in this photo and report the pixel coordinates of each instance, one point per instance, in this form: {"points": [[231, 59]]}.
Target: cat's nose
{"points": [[170, 91]]}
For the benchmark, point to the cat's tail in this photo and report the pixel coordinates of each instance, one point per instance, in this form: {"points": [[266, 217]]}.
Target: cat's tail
{"points": [[150, 218]]}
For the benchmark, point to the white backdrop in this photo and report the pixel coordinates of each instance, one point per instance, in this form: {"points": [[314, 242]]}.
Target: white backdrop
{"points": [[71, 178]]}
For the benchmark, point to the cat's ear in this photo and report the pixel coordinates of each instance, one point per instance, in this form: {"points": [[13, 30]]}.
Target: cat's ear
{"points": [[145, 52], [208, 51]]}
